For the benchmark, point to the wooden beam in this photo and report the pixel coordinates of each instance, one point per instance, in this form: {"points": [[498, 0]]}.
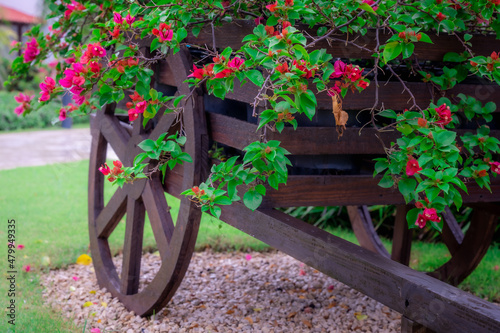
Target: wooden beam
{"points": [[420, 298]]}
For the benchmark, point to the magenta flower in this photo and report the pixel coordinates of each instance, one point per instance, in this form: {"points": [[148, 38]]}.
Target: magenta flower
{"points": [[141, 106], [133, 114], [47, 88], [26, 268], [62, 114], [198, 73], [259, 20], [412, 167], [24, 101], [421, 221], [32, 50], [117, 17], [339, 68], [105, 169], [95, 330], [444, 114], [129, 19], [248, 257], [20, 246], [495, 167], [431, 214], [76, 278], [236, 63]]}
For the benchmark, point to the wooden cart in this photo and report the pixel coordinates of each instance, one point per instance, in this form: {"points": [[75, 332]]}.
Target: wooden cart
{"points": [[368, 269]]}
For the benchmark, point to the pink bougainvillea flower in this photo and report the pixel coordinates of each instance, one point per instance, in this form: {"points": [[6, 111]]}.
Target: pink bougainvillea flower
{"points": [[129, 19], [289, 3], [24, 101], [32, 50], [421, 221], [353, 73], [370, 3], [27, 268], [302, 272], [282, 68], [302, 66], [330, 288], [412, 167], [105, 169], [117, 164], [47, 87], [20, 246], [340, 68], [272, 7], [115, 33], [335, 90], [495, 167], [248, 257], [117, 17], [133, 114], [95, 330], [62, 114], [163, 32], [363, 84], [444, 114], [74, 6], [236, 63], [141, 106], [431, 215], [76, 278]]}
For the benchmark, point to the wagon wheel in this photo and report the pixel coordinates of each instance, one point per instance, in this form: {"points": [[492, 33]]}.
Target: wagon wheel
{"points": [[175, 239], [466, 250]]}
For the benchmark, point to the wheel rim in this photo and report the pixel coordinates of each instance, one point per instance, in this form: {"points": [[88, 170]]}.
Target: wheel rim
{"points": [[175, 241], [466, 250]]}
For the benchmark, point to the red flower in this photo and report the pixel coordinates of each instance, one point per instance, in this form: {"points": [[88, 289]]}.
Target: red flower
{"points": [[422, 122], [421, 221], [117, 164], [223, 74], [412, 167], [259, 20], [495, 166], [62, 114], [115, 33], [363, 84], [198, 73], [272, 7], [482, 173], [440, 17], [444, 114], [494, 55], [141, 106], [105, 169], [301, 65], [282, 68], [286, 24], [27, 268], [289, 3]]}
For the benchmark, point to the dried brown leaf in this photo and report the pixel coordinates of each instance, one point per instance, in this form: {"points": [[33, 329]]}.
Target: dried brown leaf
{"points": [[307, 323], [341, 116]]}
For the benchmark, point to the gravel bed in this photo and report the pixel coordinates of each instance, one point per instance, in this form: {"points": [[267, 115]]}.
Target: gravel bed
{"points": [[226, 292]]}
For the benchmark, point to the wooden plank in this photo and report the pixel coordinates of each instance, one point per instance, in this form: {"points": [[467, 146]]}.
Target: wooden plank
{"points": [[409, 326], [418, 297], [231, 34], [345, 190], [306, 140]]}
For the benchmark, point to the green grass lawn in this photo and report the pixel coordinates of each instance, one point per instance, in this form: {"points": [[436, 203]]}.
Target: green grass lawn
{"points": [[49, 204]]}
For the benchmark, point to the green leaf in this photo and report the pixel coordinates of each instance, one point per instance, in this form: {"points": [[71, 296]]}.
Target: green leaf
{"points": [[411, 217], [408, 50], [252, 199], [307, 103], [223, 200], [366, 7], [386, 181], [407, 186], [444, 138], [147, 145], [181, 34], [256, 77], [391, 51]]}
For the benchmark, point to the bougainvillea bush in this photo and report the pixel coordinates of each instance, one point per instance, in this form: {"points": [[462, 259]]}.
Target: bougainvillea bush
{"points": [[97, 45]]}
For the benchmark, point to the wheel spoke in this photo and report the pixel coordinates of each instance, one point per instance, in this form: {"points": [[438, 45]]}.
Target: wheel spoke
{"points": [[401, 239], [362, 226], [452, 233], [111, 215], [132, 248], [158, 213], [116, 135]]}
